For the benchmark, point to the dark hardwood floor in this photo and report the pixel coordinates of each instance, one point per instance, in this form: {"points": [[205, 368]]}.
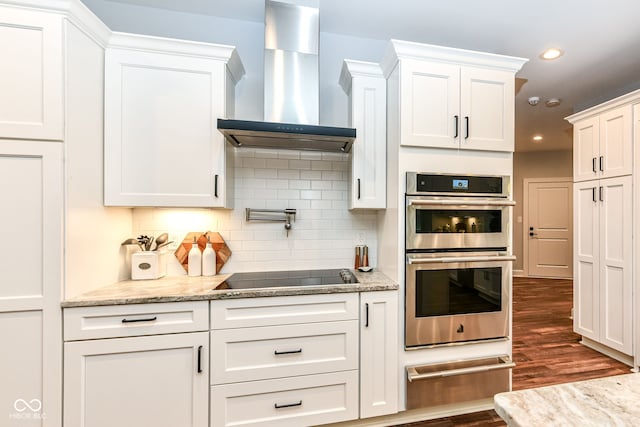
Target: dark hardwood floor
{"points": [[545, 349]]}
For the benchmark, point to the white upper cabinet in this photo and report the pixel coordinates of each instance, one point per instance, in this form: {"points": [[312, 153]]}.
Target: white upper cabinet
{"points": [[366, 87], [162, 101], [453, 98], [602, 142], [31, 105]]}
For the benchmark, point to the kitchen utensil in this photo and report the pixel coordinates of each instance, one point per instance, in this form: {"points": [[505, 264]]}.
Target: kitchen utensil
{"points": [[161, 239], [162, 245], [132, 242]]}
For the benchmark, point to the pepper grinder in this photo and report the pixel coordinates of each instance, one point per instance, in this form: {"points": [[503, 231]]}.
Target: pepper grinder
{"points": [[365, 256], [357, 260]]}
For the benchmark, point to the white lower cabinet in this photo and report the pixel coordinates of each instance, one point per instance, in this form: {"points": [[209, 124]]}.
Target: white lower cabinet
{"points": [[301, 369], [378, 353], [293, 401], [153, 380]]}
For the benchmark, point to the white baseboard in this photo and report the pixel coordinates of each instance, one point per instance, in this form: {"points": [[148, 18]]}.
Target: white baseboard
{"points": [[518, 273]]}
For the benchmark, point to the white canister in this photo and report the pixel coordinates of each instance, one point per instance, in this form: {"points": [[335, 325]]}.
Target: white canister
{"points": [[146, 265]]}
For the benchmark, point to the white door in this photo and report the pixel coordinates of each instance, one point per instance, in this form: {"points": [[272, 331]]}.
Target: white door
{"points": [[31, 190], [616, 142], [586, 149], [549, 228], [486, 109], [162, 147], [586, 298], [616, 319], [378, 353], [429, 104], [31, 74], [157, 380]]}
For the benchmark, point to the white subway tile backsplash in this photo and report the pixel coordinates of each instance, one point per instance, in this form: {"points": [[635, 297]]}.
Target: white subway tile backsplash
{"points": [[321, 165], [288, 174], [311, 194], [300, 184], [266, 173], [312, 175], [300, 164], [277, 163], [323, 234], [332, 176]]}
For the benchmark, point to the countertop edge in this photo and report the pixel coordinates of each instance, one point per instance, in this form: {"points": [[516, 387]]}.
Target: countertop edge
{"points": [[179, 289]]}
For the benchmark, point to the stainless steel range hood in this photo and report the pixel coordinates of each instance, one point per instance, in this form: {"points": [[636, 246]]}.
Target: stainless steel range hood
{"points": [[291, 95]]}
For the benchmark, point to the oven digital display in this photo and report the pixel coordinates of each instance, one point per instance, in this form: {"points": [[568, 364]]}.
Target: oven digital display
{"points": [[460, 184]]}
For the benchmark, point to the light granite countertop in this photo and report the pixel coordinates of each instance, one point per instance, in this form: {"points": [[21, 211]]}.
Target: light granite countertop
{"points": [[611, 401], [185, 288]]}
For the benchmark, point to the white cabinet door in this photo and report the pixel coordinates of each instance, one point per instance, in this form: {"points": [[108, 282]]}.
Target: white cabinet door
{"points": [[487, 109], [586, 297], [159, 380], [162, 146], [586, 149], [616, 142], [616, 287], [31, 190], [429, 104], [378, 353], [603, 145], [31, 77], [367, 89]]}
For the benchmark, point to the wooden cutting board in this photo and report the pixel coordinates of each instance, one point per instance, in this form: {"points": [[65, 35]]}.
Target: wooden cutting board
{"points": [[217, 242]]}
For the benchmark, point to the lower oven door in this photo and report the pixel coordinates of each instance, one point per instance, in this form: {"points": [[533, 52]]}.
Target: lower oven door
{"points": [[456, 297]]}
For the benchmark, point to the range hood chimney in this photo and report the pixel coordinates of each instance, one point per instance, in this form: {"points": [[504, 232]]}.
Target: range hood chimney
{"points": [[291, 87]]}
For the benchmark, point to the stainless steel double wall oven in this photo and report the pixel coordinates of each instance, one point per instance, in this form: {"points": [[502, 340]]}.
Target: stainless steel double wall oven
{"points": [[458, 266]]}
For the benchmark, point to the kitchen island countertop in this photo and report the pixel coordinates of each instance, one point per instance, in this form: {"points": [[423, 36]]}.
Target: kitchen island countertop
{"points": [[610, 401], [185, 288]]}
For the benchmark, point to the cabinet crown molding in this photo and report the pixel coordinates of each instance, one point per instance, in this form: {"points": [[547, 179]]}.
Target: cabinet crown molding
{"points": [[629, 98], [74, 10], [225, 53], [352, 69], [400, 49]]}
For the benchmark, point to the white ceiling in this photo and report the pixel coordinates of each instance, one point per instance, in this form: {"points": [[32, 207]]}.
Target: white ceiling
{"points": [[601, 41]]}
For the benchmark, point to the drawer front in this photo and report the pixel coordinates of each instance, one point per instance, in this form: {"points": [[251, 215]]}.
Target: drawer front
{"points": [[296, 401], [82, 323], [271, 311], [283, 351]]}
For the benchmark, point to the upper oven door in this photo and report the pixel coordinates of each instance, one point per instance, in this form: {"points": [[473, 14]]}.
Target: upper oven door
{"points": [[434, 223]]}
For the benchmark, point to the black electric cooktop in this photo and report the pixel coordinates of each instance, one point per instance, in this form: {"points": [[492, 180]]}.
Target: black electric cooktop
{"points": [[275, 279]]}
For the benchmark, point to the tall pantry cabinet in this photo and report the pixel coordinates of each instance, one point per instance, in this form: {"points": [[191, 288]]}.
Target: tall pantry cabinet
{"points": [[604, 222], [50, 167]]}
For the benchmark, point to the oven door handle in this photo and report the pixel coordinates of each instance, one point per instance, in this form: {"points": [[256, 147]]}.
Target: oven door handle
{"points": [[413, 259], [449, 202]]}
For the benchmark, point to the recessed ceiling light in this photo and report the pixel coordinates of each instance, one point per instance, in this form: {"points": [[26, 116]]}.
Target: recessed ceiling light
{"points": [[551, 53], [552, 102], [537, 138]]}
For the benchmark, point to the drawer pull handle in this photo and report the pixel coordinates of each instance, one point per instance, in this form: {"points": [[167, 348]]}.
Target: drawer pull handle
{"points": [[142, 319], [277, 353], [199, 359], [287, 405]]}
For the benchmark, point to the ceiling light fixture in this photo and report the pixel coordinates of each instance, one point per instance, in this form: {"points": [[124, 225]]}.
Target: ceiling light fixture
{"points": [[537, 138], [551, 53], [533, 100], [552, 102]]}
